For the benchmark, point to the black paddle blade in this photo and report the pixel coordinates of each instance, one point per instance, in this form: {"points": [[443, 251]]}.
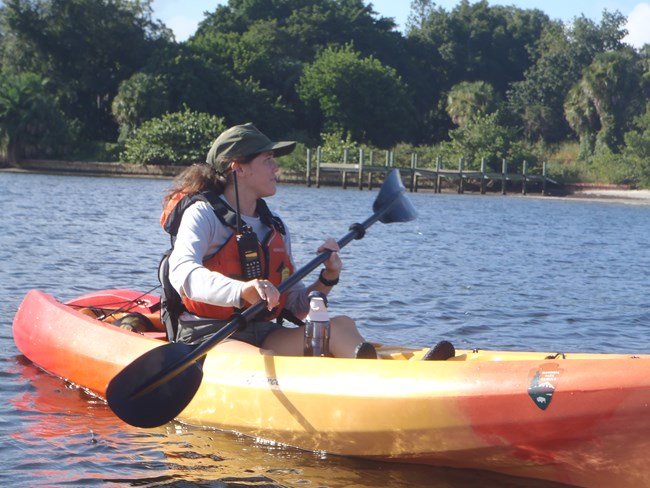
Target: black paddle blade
{"points": [[135, 402], [392, 202]]}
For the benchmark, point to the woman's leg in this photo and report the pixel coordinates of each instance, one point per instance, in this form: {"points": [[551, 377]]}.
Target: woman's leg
{"points": [[344, 339], [285, 342], [239, 347]]}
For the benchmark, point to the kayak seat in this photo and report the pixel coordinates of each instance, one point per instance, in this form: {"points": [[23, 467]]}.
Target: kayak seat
{"points": [[440, 352]]}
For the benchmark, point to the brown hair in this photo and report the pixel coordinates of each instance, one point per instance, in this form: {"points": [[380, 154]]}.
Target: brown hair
{"points": [[196, 178], [201, 177]]}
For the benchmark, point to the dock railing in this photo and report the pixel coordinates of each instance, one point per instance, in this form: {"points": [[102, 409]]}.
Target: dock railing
{"points": [[366, 167]]}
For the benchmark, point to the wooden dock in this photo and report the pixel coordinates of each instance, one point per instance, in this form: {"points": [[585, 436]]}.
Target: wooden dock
{"points": [[316, 168]]}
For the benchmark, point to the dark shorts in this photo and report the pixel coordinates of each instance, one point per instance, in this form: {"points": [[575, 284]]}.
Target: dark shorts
{"points": [[198, 331]]}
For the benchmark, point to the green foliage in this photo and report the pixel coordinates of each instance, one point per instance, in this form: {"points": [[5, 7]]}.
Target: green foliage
{"points": [[85, 48], [31, 125], [141, 97], [469, 99], [636, 155], [188, 81], [334, 146], [274, 35], [484, 137], [561, 53], [299, 68], [179, 138], [296, 162], [351, 94], [607, 96], [95, 151], [476, 41]]}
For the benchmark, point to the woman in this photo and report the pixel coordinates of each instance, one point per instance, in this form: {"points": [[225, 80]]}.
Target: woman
{"points": [[205, 266]]}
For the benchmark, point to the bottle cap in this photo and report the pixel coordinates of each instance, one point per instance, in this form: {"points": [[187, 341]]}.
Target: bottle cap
{"points": [[317, 310]]}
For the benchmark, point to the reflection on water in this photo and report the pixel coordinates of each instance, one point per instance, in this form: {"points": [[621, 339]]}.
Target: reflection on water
{"points": [[488, 272]]}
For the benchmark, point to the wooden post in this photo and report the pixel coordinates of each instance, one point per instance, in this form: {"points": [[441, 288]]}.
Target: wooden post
{"points": [[372, 164], [308, 168], [438, 176], [319, 155], [415, 169], [412, 185], [483, 176], [461, 183], [360, 178], [345, 173], [504, 176], [544, 178], [525, 178]]}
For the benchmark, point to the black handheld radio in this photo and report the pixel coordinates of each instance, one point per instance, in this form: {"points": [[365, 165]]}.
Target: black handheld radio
{"points": [[247, 244], [249, 253]]}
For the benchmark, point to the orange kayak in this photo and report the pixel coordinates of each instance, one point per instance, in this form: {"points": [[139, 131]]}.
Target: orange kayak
{"points": [[581, 419]]}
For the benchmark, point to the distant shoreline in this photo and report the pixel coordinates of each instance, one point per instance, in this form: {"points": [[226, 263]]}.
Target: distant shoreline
{"points": [[91, 168], [610, 193]]}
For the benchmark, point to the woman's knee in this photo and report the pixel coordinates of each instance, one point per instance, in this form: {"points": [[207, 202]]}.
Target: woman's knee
{"points": [[343, 322]]}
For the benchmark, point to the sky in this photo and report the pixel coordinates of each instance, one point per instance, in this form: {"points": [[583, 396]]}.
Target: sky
{"points": [[183, 16]]}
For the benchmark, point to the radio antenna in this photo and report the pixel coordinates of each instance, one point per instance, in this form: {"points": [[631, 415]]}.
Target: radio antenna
{"points": [[239, 222]]}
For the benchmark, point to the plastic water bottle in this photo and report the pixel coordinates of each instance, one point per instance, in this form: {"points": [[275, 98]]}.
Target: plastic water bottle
{"points": [[317, 326]]}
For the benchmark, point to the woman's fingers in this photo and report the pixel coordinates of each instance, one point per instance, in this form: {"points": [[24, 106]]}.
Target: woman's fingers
{"points": [[268, 292]]}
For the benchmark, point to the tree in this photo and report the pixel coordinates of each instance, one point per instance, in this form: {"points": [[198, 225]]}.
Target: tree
{"points": [[140, 98], [357, 95], [468, 99], [474, 41], [484, 138], [479, 42], [178, 138], [86, 48], [601, 106], [636, 154], [560, 56], [270, 41], [30, 122], [581, 115]]}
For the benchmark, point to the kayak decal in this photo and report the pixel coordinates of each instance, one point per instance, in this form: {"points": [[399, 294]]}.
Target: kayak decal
{"points": [[543, 384]]}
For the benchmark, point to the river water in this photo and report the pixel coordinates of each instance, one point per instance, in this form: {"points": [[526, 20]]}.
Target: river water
{"points": [[491, 272]]}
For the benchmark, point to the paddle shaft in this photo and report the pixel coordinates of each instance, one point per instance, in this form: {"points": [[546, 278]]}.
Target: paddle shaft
{"points": [[357, 231]]}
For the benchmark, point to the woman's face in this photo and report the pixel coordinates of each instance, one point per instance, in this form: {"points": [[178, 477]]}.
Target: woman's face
{"points": [[260, 175]]}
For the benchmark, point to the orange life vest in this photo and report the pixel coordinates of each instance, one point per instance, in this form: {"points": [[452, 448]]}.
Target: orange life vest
{"points": [[275, 259]]}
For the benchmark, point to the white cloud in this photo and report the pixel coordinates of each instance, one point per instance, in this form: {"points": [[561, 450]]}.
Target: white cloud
{"points": [[638, 22]]}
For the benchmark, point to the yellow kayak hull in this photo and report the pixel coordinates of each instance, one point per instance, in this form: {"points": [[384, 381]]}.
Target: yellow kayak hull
{"points": [[581, 419]]}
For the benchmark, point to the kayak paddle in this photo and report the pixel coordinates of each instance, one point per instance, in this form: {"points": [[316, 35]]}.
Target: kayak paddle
{"points": [[157, 386]]}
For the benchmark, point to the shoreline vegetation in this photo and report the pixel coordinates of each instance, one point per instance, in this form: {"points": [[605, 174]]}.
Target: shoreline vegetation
{"points": [[501, 85], [601, 192]]}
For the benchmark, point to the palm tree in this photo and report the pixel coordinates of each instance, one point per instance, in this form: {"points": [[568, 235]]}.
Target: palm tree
{"points": [[468, 99], [603, 103], [581, 115], [27, 112]]}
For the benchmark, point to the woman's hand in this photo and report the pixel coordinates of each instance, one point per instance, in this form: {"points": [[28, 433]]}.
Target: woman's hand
{"points": [[256, 290], [333, 264]]}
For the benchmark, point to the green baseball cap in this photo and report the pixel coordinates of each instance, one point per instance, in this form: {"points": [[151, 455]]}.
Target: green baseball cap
{"points": [[241, 141]]}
